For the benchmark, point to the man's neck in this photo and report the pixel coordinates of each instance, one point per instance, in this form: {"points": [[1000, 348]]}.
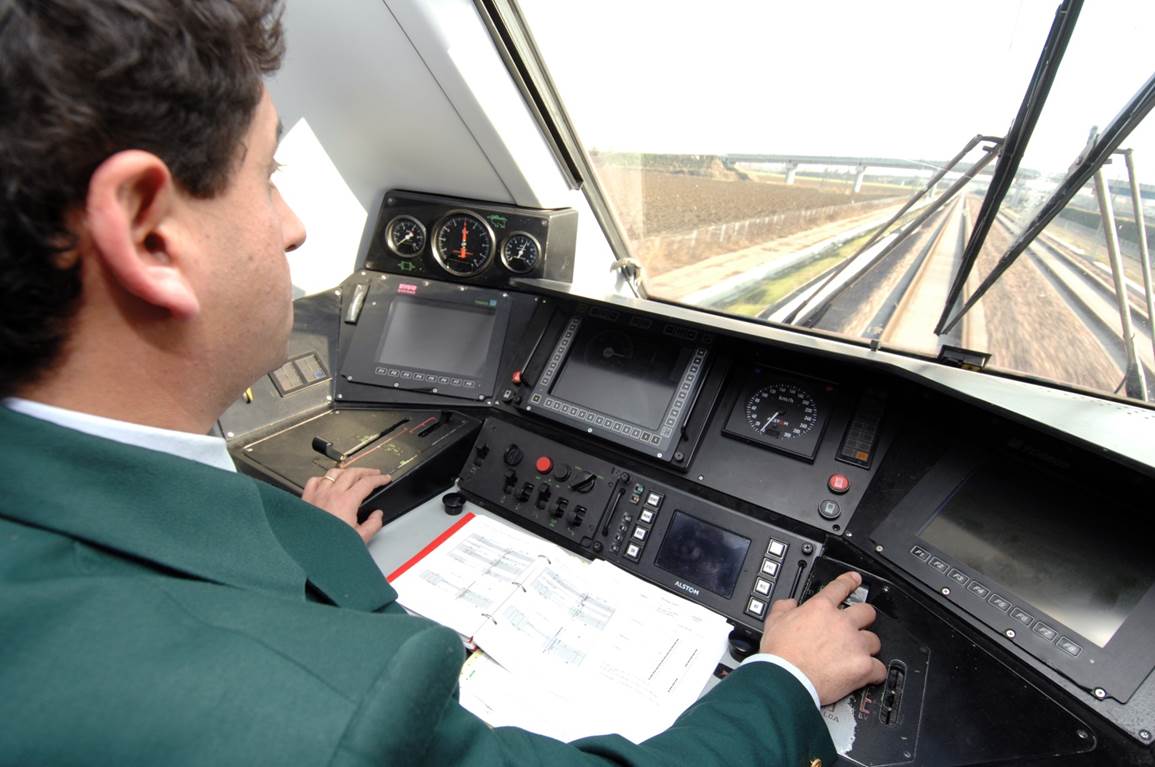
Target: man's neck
{"points": [[164, 409]]}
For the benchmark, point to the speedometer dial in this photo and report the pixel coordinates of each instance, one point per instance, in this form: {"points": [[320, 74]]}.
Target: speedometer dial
{"points": [[463, 243], [781, 411]]}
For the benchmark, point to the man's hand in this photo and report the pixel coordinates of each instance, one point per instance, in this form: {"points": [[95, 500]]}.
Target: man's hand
{"points": [[829, 644], [341, 491]]}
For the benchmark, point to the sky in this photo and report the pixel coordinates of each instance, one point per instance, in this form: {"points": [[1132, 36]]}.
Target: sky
{"points": [[889, 78]]}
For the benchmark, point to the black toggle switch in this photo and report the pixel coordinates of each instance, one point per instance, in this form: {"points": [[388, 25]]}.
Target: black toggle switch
{"points": [[558, 510], [543, 494], [525, 492], [510, 480]]}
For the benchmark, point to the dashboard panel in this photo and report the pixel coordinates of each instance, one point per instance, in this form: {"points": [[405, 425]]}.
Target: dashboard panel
{"points": [[773, 468]]}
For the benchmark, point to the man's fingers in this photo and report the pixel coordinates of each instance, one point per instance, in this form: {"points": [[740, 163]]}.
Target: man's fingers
{"points": [[860, 615], [877, 671], [840, 588], [311, 486], [870, 642], [371, 526], [346, 478], [366, 484]]}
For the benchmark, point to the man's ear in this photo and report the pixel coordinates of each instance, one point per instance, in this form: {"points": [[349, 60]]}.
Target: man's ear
{"points": [[129, 213]]}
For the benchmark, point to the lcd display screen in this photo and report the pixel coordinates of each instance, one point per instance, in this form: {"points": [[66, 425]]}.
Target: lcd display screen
{"points": [[1040, 536], [622, 372], [703, 554], [437, 335]]}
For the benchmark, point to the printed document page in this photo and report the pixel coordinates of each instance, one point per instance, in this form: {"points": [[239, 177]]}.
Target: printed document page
{"points": [[630, 656], [461, 582]]}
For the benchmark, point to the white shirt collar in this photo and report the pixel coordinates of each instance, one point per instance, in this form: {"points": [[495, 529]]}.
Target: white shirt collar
{"points": [[202, 448]]}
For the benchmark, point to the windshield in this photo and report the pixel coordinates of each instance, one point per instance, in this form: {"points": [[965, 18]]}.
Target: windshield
{"points": [[822, 165]]}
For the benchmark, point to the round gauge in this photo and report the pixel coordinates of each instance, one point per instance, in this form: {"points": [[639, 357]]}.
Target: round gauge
{"points": [[781, 411], [520, 252], [462, 243], [405, 236]]}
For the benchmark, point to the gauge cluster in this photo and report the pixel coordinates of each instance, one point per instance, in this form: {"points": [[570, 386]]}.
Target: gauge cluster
{"points": [[448, 238]]}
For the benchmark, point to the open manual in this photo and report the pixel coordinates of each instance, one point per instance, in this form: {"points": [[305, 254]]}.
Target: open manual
{"points": [[566, 647]]}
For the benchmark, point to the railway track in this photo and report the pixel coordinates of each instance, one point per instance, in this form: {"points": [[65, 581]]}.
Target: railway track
{"points": [[1052, 315]]}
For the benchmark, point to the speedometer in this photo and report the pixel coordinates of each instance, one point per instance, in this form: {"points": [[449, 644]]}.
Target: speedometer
{"points": [[463, 243], [781, 411]]}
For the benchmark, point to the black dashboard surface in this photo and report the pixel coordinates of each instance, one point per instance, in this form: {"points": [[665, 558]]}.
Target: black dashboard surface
{"points": [[785, 466]]}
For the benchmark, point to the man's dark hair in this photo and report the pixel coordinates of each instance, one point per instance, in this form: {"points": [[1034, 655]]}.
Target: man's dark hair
{"points": [[83, 79]]}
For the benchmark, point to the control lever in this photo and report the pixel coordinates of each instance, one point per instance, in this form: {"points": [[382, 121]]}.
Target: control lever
{"points": [[356, 303], [892, 693], [612, 505], [325, 447]]}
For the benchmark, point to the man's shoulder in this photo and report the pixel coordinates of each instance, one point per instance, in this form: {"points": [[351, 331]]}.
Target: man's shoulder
{"points": [[153, 669]]}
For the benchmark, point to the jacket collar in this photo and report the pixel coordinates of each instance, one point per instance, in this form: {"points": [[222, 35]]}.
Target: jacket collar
{"points": [[180, 515]]}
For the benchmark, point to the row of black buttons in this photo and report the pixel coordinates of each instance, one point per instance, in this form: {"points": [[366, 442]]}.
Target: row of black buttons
{"points": [[608, 423], [759, 600], [426, 377], [999, 602]]}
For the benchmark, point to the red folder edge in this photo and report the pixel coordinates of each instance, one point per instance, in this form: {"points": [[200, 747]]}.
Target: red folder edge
{"points": [[431, 546]]}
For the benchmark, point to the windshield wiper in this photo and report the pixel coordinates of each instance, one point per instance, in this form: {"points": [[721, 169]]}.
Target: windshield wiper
{"points": [[1012, 151], [1097, 154]]}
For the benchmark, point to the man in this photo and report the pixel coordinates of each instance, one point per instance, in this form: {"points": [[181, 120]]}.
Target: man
{"points": [[155, 606]]}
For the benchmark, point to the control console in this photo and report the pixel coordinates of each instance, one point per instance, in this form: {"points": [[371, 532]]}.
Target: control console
{"points": [[727, 561]]}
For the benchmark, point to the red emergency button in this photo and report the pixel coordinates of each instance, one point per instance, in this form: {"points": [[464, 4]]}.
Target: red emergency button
{"points": [[543, 465], [838, 483]]}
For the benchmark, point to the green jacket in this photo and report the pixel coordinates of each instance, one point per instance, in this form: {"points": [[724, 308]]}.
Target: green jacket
{"points": [[154, 610]]}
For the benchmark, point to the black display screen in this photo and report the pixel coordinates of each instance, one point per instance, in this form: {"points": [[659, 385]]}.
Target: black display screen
{"points": [[438, 335], [704, 554], [623, 372], [1042, 536]]}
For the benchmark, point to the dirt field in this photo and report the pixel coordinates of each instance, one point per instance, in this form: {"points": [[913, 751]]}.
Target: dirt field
{"points": [[650, 202], [673, 220]]}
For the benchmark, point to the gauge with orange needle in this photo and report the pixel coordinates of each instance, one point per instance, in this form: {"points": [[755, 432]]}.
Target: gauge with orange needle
{"points": [[463, 243]]}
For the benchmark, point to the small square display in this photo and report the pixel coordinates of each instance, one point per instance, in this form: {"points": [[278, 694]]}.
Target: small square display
{"points": [[704, 554]]}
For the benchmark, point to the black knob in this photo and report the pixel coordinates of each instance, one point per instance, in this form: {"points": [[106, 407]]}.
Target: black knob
{"points": [[598, 547], [585, 482], [454, 503], [562, 472], [480, 452], [513, 455], [743, 643]]}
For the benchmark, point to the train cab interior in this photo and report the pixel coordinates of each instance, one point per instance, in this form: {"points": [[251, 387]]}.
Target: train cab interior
{"points": [[736, 296]]}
